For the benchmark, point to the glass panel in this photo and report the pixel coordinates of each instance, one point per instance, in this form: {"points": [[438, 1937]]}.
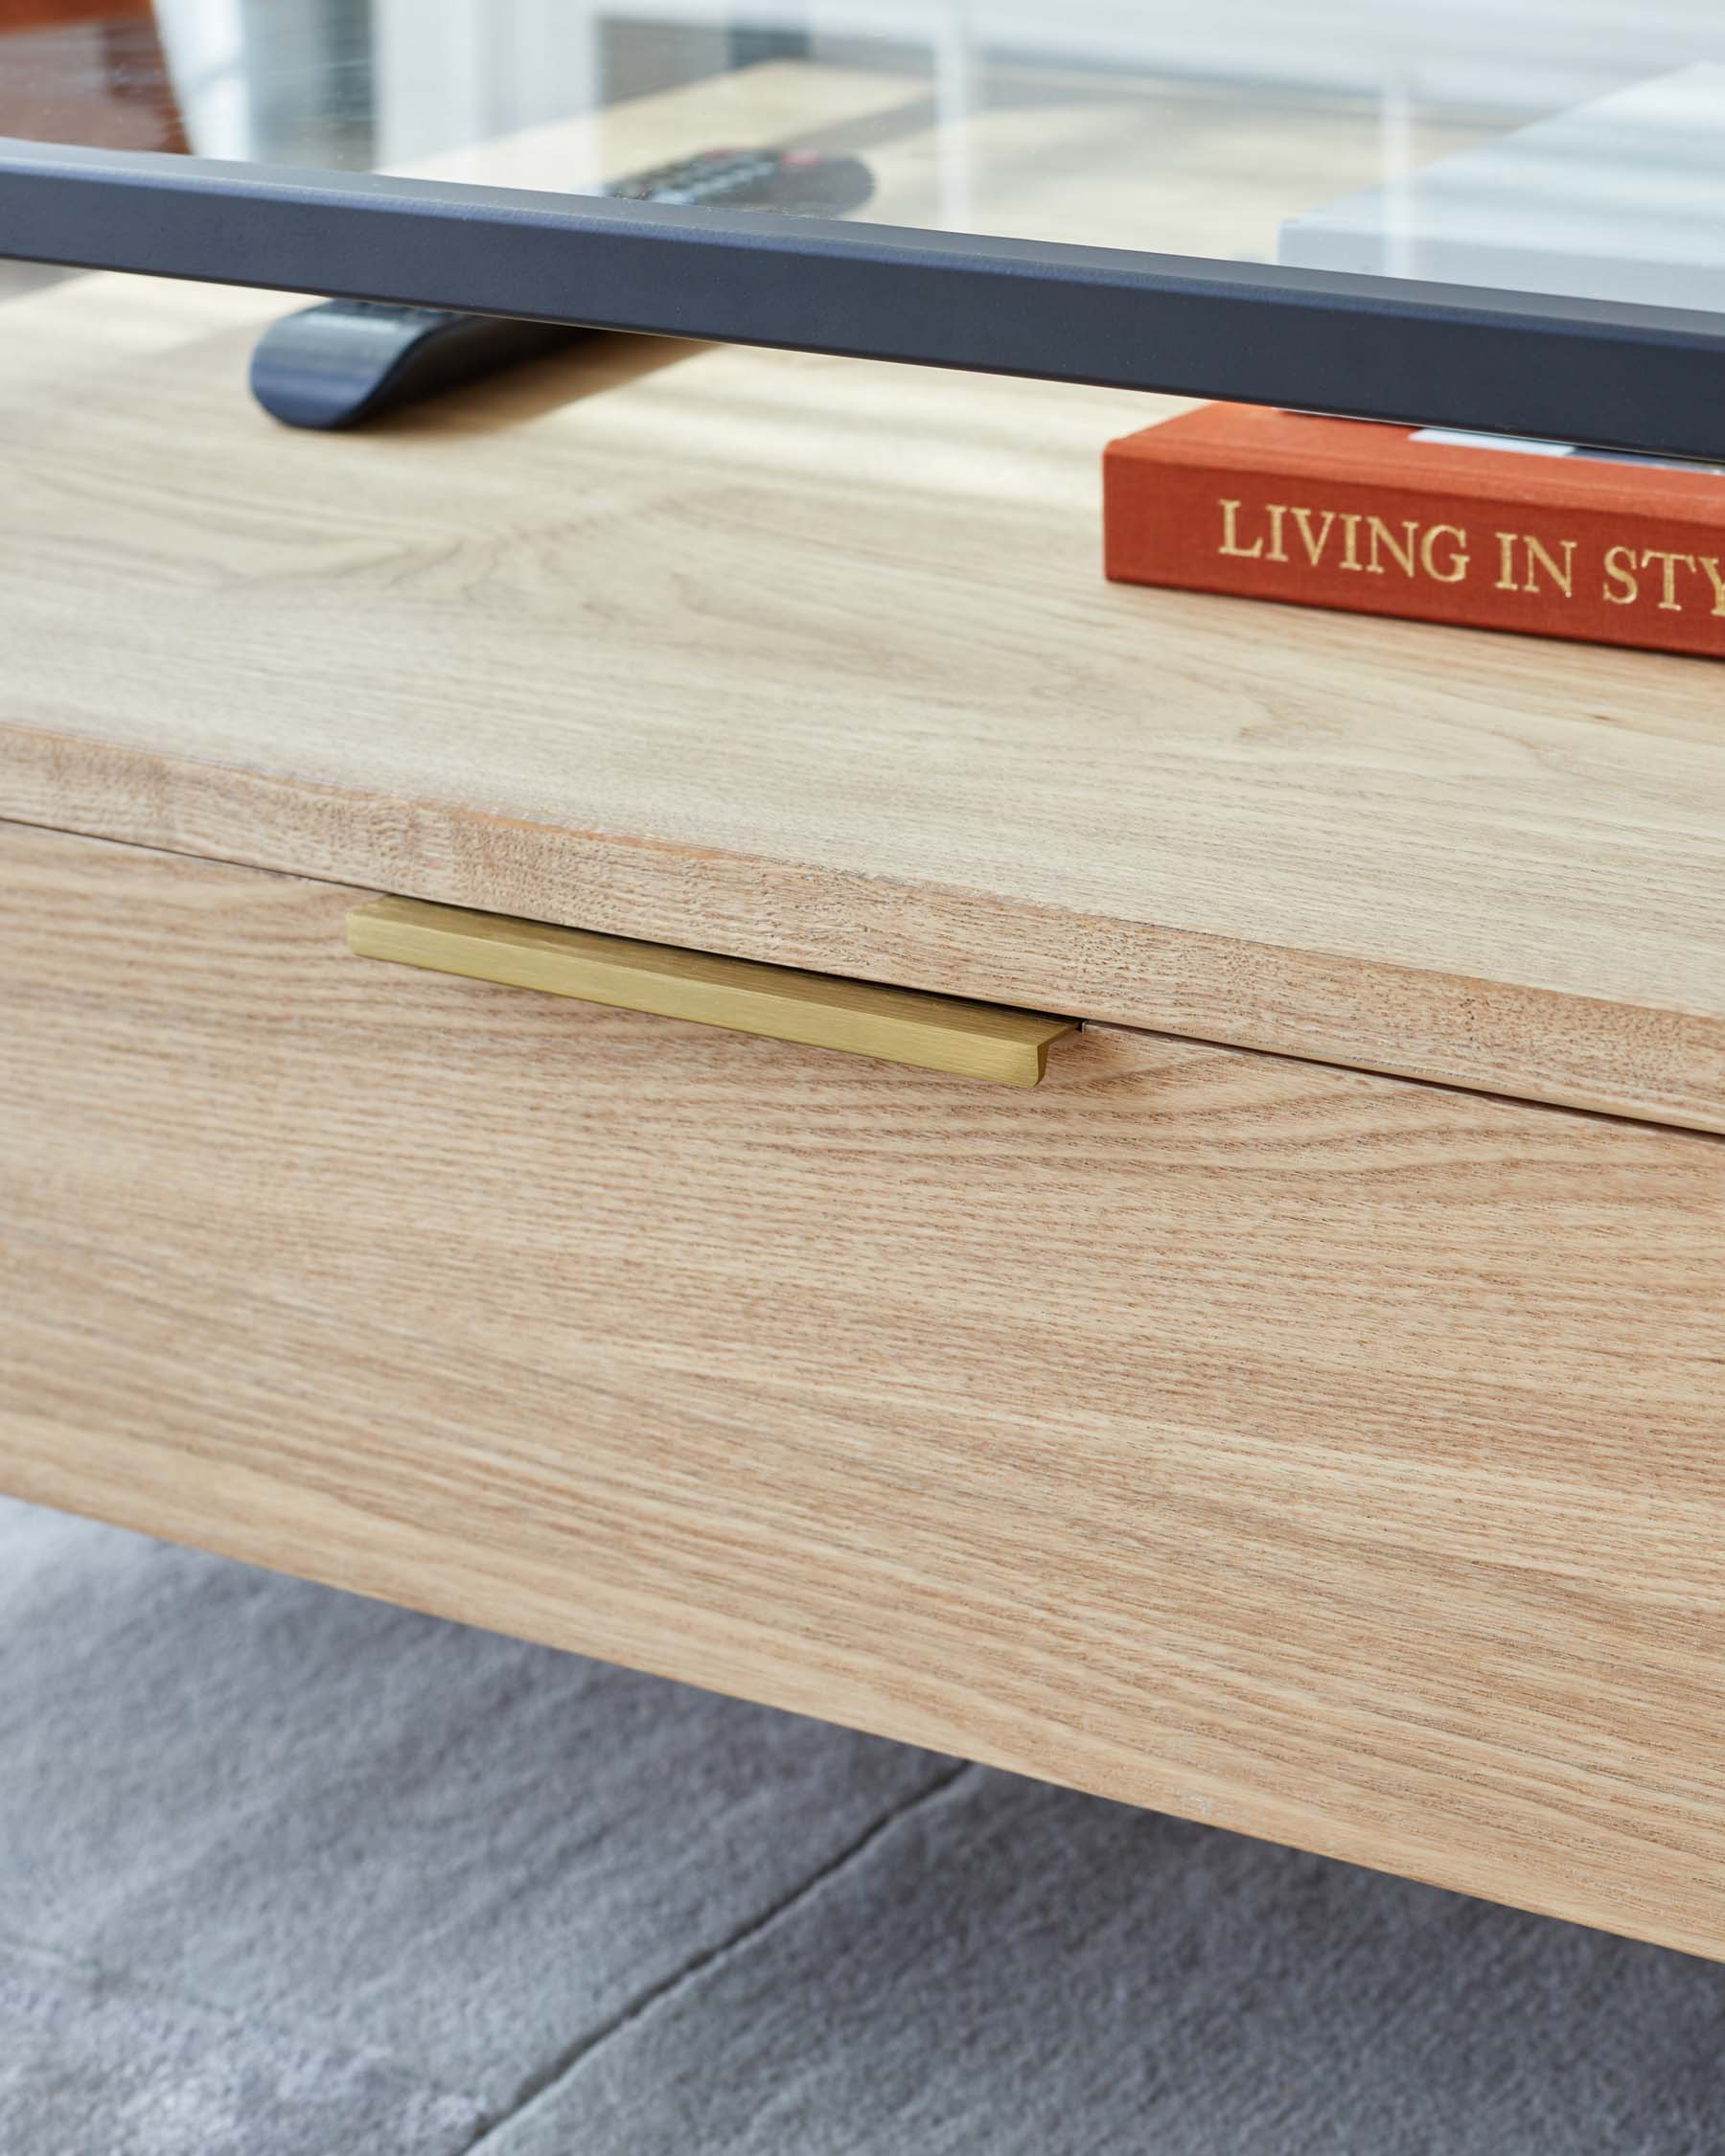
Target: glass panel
{"points": [[1566, 147]]}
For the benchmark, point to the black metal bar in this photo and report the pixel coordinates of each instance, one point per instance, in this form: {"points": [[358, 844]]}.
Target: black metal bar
{"points": [[1631, 377]]}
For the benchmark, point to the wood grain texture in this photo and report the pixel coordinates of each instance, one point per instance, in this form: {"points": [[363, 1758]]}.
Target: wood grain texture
{"points": [[810, 661], [1327, 1456]]}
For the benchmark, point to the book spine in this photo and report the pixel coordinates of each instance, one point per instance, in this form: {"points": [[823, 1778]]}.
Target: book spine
{"points": [[1606, 574]]}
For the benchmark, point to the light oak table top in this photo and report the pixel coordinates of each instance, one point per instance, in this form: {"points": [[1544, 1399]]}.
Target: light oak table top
{"points": [[812, 661]]}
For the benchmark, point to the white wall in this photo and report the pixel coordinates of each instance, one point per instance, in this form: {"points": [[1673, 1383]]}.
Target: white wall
{"points": [[452, 71]]}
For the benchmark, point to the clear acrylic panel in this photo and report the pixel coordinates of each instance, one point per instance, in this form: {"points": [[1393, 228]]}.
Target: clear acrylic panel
{"points": [[1534, 145], [1566, 149]]}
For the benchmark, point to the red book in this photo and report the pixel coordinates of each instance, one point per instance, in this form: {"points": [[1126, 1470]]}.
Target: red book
{"points": [[1376, 520]]}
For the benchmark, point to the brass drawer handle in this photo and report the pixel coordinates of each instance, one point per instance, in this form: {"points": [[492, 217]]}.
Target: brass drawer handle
{"points": [[819, 1010]]}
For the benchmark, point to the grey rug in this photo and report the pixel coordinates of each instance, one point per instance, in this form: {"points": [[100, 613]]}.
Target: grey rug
{"points": [[293, 1874]]}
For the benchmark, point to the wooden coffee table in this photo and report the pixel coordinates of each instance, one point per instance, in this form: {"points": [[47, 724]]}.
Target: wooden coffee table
{"points": [[1304, 1410]]}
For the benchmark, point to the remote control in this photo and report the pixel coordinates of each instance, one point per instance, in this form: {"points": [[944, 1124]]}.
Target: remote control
{"points": [[349, 360], [796, 182]]}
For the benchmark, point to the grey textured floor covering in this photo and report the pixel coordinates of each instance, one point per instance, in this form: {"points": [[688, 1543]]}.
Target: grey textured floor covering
{"points": [[287, 1873]]}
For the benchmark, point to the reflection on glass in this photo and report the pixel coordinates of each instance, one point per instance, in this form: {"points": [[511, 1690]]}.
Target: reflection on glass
{"points": [[76, 72]]}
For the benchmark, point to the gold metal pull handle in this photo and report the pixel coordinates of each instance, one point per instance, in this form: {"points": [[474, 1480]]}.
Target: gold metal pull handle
{"points": [[901, 1024]]}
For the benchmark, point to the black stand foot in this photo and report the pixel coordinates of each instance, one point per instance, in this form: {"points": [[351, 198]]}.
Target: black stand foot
{"points": [[349, 360]]}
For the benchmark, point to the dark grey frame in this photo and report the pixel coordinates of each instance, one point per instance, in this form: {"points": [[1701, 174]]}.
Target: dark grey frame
{"points": [[1641, 379]]}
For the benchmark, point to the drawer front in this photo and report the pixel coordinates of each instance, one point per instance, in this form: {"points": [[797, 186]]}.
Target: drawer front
{"points": [[1327, 1456]]}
